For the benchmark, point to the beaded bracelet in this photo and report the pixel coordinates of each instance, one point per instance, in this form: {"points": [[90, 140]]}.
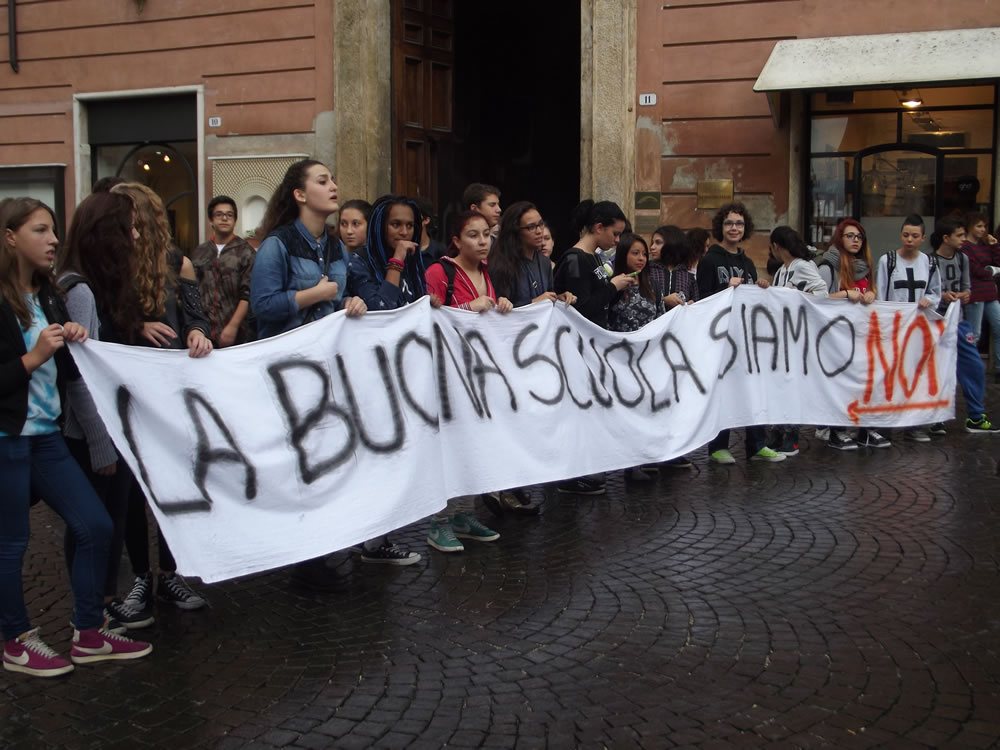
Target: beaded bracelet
{"points": [[394, 264]]}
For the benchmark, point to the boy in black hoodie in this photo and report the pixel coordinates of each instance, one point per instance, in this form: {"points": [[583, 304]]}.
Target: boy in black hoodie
{"points": [[723, 266]]}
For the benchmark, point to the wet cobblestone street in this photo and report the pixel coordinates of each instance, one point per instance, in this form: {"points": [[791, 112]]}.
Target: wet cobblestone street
{"points": [[834, 600]]}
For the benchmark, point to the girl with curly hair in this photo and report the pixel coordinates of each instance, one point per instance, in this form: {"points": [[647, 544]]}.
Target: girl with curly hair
{"points": [[165, 289]]}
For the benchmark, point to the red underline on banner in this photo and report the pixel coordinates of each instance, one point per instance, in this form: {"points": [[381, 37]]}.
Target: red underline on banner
{"points": [[854, 410]]}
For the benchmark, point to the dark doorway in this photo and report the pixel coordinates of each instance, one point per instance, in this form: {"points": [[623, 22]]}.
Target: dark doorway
{"points": [[151, 140], [516, 107]]}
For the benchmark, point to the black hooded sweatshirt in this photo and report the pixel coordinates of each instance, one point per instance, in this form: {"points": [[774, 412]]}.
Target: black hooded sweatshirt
{"points": [[719, 266]]}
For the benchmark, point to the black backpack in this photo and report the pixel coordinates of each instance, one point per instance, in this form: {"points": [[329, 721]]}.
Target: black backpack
{"points": [[449, 272]]}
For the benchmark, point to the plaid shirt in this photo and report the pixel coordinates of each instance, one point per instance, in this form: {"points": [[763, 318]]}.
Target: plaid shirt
{"points": [[223, 280]]}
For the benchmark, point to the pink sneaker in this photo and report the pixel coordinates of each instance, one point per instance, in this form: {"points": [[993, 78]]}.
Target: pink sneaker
{"points": [[97, 644], [29, 654]]}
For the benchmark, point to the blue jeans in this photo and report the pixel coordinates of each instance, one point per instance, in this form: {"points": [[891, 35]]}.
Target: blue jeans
{"points": [[971, 373], [41, 464], [974, 312]]}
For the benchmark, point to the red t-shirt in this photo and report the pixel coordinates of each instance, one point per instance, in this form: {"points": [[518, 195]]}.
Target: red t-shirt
{"points": [[861, 284], [464, 290]]}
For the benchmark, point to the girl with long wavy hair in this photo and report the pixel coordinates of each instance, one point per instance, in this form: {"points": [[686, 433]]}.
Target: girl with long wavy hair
{"points": [[34, 367], [299, 276], [166, 291], [300, 272], [849, 273], [99, 246], [847, 266], [165, 281], [520, 271]]}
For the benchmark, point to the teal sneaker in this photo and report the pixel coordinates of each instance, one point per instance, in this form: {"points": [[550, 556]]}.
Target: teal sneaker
{"points": [[442, 537], [469, 527], [722, 456], [766, 454]]}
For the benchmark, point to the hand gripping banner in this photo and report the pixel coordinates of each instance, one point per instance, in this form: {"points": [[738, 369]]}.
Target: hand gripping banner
{"points": [[290, 448]]}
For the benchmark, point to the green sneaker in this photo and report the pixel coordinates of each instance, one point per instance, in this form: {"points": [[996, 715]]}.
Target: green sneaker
{"points": [[766, 454], [442, 537], [981, 425], [468, 527], [722, 456]]}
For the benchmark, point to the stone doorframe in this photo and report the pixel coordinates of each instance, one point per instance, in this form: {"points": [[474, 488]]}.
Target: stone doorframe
{"points": [[363, 99], [607, 101]]}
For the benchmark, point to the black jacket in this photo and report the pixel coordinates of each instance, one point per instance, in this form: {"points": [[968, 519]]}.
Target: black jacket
{"points": [[719, 266], [13, 377], [182, 312], [580, 273]]}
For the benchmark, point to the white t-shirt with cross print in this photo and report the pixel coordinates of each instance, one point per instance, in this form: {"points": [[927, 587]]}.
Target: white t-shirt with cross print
{"points": [[911, 280]]}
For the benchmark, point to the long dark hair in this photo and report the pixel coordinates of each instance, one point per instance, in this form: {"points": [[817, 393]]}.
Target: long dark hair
{"points": [[14, 214], [698, 236], [283, 208], [588, 214], [377, 251], [788, 238], [506, 268], [621, 263], [99, 247], [677, 250]]}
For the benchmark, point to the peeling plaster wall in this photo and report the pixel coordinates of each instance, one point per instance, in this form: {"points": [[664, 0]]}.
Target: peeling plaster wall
{"points": [[701, 59]]}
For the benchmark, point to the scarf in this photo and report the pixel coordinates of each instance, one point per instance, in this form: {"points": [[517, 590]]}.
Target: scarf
{"points": [[832, 256]]}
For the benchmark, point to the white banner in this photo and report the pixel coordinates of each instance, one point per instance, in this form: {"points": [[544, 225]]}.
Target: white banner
{"points": [[286, 449]]}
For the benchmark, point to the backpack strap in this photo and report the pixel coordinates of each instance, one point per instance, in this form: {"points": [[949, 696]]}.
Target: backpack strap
{"points": [[70, 280], [449, 271], [890, 267]]}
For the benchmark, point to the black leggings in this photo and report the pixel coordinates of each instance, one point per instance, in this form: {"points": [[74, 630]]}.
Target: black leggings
{"points": [[137, 536]]}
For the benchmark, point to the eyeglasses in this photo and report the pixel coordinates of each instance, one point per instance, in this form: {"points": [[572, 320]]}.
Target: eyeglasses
{"points": [[534, 227], [738, 224], [853, 236], [223, 215]]}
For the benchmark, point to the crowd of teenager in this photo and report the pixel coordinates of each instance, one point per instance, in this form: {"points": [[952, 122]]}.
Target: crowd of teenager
{"points": [[118, 277]]}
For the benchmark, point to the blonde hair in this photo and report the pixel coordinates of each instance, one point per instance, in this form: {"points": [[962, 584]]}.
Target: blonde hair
{"points": [[152, 272]]}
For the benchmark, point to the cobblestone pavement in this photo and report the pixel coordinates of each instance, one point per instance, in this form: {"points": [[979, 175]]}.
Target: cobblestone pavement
{"points": [[835, 600]]}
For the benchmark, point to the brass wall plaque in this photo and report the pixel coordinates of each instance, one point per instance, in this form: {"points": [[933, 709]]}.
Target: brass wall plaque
{"points": [[714, 194]]}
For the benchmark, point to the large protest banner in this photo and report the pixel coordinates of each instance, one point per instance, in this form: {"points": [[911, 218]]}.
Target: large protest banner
{"points": [[286, 449]]}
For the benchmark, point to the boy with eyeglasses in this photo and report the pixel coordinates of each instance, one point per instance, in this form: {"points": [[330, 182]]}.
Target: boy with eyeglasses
{"points": [[224, 265]]}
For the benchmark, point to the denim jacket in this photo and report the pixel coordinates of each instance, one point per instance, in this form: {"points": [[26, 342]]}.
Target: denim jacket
{"points": [[290, 259]]}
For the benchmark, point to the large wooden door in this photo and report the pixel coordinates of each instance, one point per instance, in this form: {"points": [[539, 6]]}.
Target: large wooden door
{"points": [[422, 89]]}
